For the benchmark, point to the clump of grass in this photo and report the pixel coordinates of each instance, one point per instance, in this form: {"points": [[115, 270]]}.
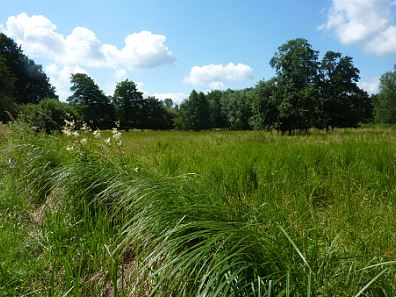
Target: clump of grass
{"points": [[254, 215]]}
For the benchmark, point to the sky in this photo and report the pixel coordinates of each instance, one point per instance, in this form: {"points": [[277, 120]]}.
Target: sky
{"points": [[170, 47]]}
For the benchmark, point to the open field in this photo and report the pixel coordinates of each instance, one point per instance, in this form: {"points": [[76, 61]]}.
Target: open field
{"points": [[218, 213]]}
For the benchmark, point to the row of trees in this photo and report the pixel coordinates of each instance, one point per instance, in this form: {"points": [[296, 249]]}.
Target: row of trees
{"points": [[127, 105], [305, 92]]}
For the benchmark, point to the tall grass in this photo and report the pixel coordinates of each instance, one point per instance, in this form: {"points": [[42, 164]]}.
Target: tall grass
{"points": [[209, 214]]}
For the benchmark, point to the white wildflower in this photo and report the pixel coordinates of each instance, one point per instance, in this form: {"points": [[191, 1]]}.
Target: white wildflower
{"points": [[68, 128], [75, 134], [108, 140], [69, 148], [83, 141], [116, 136], [85, 127], [96, 133]]}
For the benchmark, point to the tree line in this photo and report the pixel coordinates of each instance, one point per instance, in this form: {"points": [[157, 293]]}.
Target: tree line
{"points": [[305, 93]]}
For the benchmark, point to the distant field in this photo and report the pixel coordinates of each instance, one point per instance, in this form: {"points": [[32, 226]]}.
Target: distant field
{"points": [[220, 213]]}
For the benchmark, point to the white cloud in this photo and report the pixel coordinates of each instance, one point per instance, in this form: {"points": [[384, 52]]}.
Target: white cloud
{"points": [[384, 43], [218, 73], [176, 97], [39, 37], [217, 85], [141, 50], [371, 86], [71, 53], [363, 21], [60, 77], [120, 74]]}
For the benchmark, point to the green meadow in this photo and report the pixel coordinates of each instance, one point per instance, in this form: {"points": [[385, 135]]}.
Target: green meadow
{"points": [[215, 213]]}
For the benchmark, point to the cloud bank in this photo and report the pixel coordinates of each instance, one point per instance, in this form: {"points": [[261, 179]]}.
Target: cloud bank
{"points": [[366, 22], [215, 75], [72, 53]]}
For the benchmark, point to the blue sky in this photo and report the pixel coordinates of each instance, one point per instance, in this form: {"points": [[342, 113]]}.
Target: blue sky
{"points": [[171, 47]]}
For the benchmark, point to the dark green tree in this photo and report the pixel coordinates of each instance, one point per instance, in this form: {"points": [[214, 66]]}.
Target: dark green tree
{"points": [[217, 117], [344, 103], [171, 110], [296, 92], [155, 114], [49, 114], [129, 105], [385, 100], [89, 99], [31, 83], [265, 111], [194, 113], [8, 106], [240, 109]]}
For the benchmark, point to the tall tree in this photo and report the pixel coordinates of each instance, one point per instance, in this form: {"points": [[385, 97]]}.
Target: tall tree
{"points": [[385, 101], [8, 105], [344, 103], [31, 83], [94, 105], [155, 114], [265, 111], [129, 105], [217, 117], [296, 66], [240, 109], [194, 113]]}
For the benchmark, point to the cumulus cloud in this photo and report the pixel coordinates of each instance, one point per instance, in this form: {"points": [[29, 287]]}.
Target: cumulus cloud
{"points": [[217, 85], [141, 50], [216, 74], [176, 97], [120, 74], [363, 21], [39, 37], [371, 86], [60, 77], [71, 53]]}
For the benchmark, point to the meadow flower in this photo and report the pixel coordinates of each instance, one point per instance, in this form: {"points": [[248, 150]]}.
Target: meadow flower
{"points": [[68, 128], [108, 141], [96, 133], [116, 136], [85, 127], [83, 141], [69, 148]]}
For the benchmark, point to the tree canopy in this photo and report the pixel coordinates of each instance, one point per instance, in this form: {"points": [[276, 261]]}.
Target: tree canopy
{"points": [[90, 100], [305, 93], [129, 105], [385, 101], [31, 84]]}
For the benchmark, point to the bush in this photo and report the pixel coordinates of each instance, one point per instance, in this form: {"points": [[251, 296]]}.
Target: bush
{"points": [[49, 115]]}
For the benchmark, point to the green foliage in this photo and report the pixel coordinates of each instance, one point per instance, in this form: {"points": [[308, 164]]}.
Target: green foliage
{"points": [[239, 109], [8, 106], [49, 115], [344, 103], [385, 101], [92, 103], [157, 117], [297, 216], [217, 116], [194, 113], [129, 105], [31, 83]]}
